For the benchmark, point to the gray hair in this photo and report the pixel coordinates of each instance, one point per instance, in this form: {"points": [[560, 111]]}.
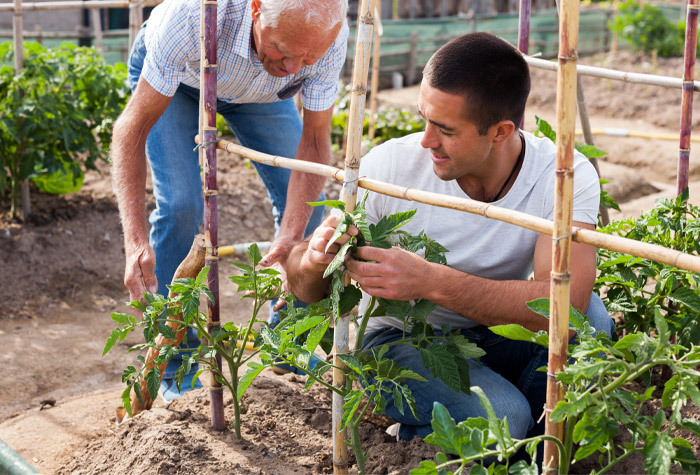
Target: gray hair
{"points": [[323, 14]]}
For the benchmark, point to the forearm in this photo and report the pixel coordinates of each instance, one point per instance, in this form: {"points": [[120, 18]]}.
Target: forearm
{"points": [[129, 182], [494, 302], [305, 282], [303, 188]]}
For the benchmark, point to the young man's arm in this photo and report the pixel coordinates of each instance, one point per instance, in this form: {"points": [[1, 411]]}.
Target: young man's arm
{"points": [[398, 274], [315, 146], [129, 183]]}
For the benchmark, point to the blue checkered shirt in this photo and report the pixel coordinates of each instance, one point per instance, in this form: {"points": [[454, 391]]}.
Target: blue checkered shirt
{"points": [[173, 57]]}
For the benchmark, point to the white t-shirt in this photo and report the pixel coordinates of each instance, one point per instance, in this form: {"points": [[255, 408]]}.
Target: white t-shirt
{"points": [[477, 245]]}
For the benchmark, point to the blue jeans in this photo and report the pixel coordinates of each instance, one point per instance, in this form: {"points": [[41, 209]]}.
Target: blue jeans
{"points": [[273, 128], [507, 373]]}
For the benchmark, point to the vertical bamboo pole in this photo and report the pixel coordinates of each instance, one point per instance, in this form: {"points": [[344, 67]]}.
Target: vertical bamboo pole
{"points": [[97, 30], [561, 237], [207, 155], [375, 73], [691, 35], [363, 45], [524, 34], [18, 34]]}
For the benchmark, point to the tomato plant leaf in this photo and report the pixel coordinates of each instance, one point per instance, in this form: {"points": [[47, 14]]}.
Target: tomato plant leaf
{"points": [[441, 364], [520, 333], [336, 204], [251, 373], [658, 452], [338, 260], [316, 334]]}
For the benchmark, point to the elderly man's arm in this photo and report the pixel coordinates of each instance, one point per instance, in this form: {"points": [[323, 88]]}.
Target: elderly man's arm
{"points": [[315, 146], [129, 183], [398, 274]]}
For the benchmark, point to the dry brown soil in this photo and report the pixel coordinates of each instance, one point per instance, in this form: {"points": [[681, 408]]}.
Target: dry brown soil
{"points": [[62, 277]]}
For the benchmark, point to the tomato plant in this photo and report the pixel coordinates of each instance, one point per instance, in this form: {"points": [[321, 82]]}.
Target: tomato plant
{"points": [[599, 405], [56, 114]]}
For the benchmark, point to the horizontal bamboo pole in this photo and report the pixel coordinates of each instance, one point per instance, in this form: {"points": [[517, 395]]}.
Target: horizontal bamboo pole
{"points": [[637, 78], [541, 225], [616, 132], [74, 5]]}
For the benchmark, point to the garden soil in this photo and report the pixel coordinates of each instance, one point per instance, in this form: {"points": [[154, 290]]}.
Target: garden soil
{"points": [[62, 277]]}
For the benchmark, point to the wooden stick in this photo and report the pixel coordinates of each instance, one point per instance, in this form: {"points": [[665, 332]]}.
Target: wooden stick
{"points": [[363, 45], [691, 36], [635, 78], [654, 252], [97, 29], [207, 153], [189, 267], [561, 237], [375, 73]]}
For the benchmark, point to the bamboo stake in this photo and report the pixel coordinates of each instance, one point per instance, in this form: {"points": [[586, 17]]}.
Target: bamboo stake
{"points": [[561, 237], [375, 73], [524, 34], [691, 37], [97, 29], [588, 137], [363, 45], [207, 154], [189, 267], [636, 78], [654, 252]]}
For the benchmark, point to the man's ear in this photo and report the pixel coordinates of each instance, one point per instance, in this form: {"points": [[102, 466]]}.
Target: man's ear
{"points": [[255, 7], [502, 130]]}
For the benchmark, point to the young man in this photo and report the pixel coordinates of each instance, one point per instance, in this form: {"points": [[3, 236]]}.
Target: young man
{"points": [[472, 96], [267, 51]]}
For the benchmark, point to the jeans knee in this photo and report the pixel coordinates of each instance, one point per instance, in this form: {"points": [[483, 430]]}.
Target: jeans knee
{"points": [[599, 317], [180, 214]]}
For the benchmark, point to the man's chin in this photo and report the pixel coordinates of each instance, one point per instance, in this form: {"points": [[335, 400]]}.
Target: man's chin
{"points": [[273, 70]]}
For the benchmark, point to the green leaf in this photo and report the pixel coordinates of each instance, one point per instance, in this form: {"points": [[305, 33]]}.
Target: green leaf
{"points": [[687, 296], [514, 331], [153, 383], [442, 365], [590, 151], [539, 306], [543, 127], [111, 340], [251, 373], [254, 256], [427, 467], [389, 224], [315, 335], [444, 429], [126, 400], [467, 349], [336, 204], [122, 318], [338, 260], [658, 452]]}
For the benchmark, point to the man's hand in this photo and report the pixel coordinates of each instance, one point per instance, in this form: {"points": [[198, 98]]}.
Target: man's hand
{"points": [[316, 258], [139, 273], [394, 273]]}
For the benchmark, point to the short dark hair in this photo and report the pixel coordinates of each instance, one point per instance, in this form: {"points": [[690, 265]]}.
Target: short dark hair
{"points": [[488, 72]]}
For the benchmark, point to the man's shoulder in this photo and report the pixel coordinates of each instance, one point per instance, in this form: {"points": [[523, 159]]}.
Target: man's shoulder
{"points": [[405, 150]]}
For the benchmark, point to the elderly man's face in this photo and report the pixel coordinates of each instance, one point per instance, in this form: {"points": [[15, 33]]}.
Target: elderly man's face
{"points": [[291, 45]]}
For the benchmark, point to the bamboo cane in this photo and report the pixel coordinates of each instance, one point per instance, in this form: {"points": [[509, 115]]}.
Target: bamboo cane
{"points": [[189, 267], [635, 78], [654, 252], [524, 34], [588, 137], [363, 45], [691, 37], [19, 64], [375, 73], [97, 29], [207, 154], [561, 237]]}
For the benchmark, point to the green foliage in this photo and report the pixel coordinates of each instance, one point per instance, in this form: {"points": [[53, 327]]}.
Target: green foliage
{"points": [[638, 287], [390, 122], [599, 404], [57, 113], [647, 29], [227, 341]]}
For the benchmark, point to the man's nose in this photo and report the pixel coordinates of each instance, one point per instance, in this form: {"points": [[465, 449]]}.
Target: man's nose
{"points": [[292, 65], [429, 139]]}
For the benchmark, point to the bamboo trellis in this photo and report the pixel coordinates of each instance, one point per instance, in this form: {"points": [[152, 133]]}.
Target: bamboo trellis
{"points": [[363, 45], [375, 73], [207, 156], [691, 39]]}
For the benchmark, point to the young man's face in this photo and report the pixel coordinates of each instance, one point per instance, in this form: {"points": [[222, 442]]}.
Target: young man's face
{"points": [[455, 145], [291, 45]]}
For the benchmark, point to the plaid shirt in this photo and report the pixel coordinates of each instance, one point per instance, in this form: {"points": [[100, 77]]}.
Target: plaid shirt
{"points": [[173, 57]]}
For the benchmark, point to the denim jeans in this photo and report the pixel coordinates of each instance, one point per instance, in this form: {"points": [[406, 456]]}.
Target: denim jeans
{"points": [[507, 373], [272, 128]]}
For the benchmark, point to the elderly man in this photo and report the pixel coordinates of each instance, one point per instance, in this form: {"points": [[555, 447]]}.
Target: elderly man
{"points": [[267, 51], [473, 97]]}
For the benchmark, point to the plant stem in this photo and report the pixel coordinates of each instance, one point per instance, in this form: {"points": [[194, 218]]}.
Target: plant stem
{"points": [[363, 326], [356, 444], [618, 460]]}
